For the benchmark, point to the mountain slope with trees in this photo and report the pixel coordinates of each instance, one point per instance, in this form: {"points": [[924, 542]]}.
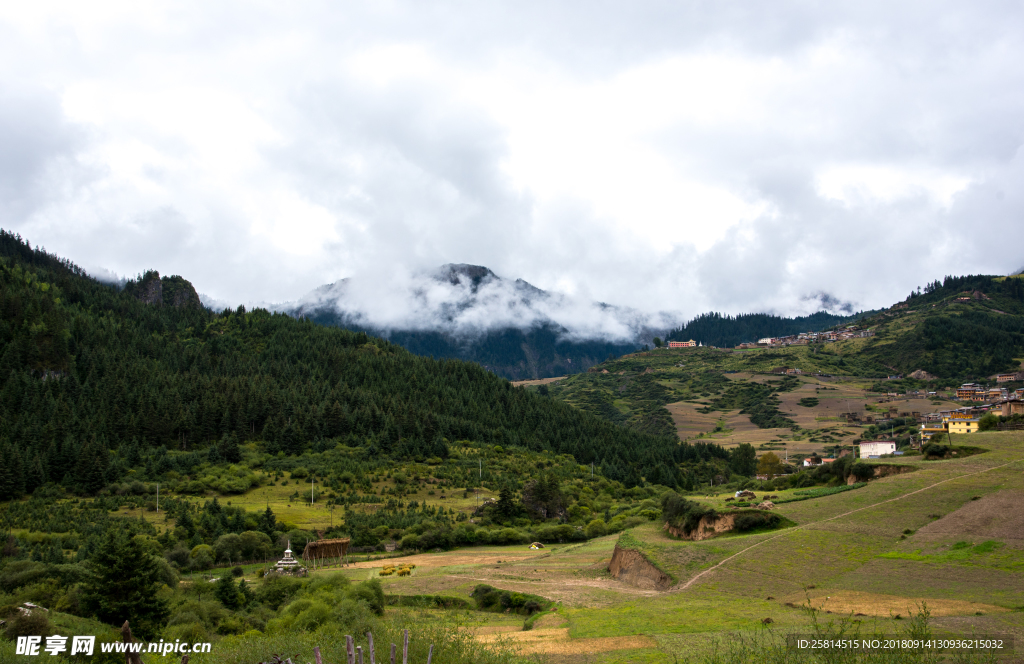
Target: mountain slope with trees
{"points": [[93, 376]]}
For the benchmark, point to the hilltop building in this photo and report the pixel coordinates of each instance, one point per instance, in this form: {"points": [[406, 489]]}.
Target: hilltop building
{"points": [[682, 344]]}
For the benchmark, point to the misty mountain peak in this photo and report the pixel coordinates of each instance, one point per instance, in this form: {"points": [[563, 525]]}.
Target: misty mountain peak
{"points": [[457, 273], [466, 301]]}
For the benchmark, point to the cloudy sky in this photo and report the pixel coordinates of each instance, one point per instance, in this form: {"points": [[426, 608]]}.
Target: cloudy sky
{"points": [[670, 155]]}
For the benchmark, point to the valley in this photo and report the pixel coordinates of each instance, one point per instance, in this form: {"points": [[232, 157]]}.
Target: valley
{"points": [[658, 506]]}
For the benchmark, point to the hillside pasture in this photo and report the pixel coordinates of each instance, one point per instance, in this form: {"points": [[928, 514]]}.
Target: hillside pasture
{"points": [[888, 548]]}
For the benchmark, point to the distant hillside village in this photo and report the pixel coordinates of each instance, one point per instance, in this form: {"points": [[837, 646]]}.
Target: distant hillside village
{"points": [[993, 400], [801, 339]]}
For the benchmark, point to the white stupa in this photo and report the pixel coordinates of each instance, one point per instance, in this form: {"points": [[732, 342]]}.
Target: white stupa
{"points": [[288, 565]]}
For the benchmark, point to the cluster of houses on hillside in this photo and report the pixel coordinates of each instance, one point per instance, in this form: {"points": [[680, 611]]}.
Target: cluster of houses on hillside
{"points": [[975, 392], [967, 419], [804, 338], [801, 339]]}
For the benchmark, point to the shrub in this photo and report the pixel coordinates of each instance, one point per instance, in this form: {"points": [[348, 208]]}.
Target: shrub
{"points": [[752, 520], [33, 623], [494, 599], [596, 528], [862, 471], [682, 513], [988, 422]]}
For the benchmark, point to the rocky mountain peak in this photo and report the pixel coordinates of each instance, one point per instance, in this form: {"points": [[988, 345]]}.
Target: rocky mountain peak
{"points": [[173, 291]]}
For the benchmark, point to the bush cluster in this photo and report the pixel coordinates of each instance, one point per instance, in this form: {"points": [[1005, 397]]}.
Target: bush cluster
{"points": [[494, 599]]}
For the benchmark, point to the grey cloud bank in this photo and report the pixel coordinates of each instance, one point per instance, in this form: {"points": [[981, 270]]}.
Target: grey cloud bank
{"points": [[660, 156]]}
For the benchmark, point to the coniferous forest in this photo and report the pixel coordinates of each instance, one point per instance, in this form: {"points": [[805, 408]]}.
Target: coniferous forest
{"points": [[93, 376]]}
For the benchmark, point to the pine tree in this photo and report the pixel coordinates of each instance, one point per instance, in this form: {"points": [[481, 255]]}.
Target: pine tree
{"points": [[227, 592], [122, 585], [268, 523]]}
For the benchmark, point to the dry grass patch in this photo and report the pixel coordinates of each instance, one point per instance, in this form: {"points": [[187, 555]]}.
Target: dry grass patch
{"points": [[875, 604], [462, 557], [557, 642]]}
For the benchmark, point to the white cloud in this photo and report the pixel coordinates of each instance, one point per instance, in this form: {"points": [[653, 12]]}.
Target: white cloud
{"points": [[665, 156]]}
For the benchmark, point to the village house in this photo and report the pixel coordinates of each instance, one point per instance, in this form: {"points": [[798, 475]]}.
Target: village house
{"points": [[969, 391], [964, 420], [929, 430], [996, 394], [1015, 407], [876, 448], [1007, 377], [682, 344], [963, 425]]}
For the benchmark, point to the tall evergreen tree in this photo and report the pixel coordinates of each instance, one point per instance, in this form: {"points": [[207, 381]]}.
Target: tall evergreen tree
{"points": [[122, 585]]}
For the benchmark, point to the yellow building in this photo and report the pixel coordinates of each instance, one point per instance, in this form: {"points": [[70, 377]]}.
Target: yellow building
{"points": [[963, 425], [929, 430]]}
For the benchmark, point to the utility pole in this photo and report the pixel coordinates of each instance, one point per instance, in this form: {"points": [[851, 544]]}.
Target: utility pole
{"points": [[157, 497], [311, 476]]}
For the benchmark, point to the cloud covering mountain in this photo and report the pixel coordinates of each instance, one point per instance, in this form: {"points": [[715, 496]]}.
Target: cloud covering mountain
{"points": [[467, 301]]}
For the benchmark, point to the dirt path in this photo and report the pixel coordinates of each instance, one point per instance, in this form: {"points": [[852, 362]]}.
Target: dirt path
{"points": [[833, 518]]}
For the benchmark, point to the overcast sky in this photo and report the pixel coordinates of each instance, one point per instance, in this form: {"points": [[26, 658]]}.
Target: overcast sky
{"points": [[737, 156]]}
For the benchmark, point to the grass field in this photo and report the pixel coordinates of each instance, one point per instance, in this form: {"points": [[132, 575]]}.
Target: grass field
{"points": [[949, 535]]}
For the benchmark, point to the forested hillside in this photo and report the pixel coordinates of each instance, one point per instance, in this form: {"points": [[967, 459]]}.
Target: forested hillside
{"points": [[714, 329], [961, 328], [92, 377], [540, 352]]}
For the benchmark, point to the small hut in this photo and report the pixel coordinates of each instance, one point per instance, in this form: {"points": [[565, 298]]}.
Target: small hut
{"points": [[325, 551]]}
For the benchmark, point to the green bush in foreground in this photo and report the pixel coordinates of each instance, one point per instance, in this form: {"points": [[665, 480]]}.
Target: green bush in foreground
{"points": [[452, 645]]}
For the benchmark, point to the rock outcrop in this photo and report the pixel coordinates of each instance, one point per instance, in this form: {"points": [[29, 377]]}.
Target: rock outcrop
{"points": [[173, 291], [632, 567], [149, 289], [708, 527], [179, 292]]}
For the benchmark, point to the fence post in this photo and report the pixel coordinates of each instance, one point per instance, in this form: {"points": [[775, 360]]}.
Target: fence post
{"points": [[369, 637], [316, 655], [430, 653], [349, 650], [126, 636], [405, 646], [393, 648], [359, 654]]}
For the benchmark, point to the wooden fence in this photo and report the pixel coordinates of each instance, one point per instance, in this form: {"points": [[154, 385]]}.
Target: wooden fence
{"points": [[354, 653]]}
